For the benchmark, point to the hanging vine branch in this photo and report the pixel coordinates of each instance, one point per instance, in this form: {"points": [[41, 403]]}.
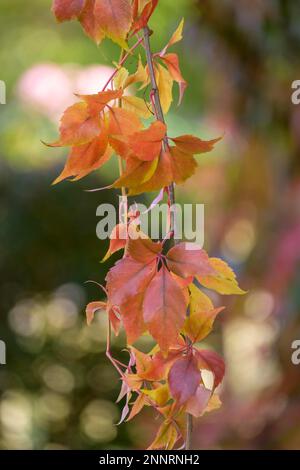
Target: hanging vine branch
{"points": [[150, 290]]}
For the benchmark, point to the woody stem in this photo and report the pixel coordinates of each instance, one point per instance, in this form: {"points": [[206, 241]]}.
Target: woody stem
{"points": [[158, 111]]}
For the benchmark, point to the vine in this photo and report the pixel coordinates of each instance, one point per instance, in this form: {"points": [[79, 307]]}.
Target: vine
{"points": [[151, 290]]}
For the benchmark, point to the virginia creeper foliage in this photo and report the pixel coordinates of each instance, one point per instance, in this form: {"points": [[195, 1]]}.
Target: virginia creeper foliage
{"points": [[151, 290]]}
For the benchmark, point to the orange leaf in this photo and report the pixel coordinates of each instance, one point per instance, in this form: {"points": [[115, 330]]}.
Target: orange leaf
{"points": [[164, 309], [127, 279], [137, 172], [86, 158], [147, 144], [144, 250], [123, 122], [77, 126], [96, 103], [88, 22], [138, 405], [113, 18], [172, 166], [118, 240], [172, 62], [141, 18], [194, 145], [186, 259]]}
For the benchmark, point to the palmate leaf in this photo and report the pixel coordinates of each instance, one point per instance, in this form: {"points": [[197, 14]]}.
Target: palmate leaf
{"points": [[156, 299], [164, 309], [99, 18]]}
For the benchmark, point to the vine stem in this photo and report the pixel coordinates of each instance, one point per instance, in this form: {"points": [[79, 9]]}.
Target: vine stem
{"points": [[158, 111]]}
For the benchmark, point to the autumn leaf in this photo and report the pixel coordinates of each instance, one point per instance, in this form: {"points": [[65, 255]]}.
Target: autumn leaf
{"points": [[199, 302], [165, 83], [146, 145], [172, 166], [77, 126], [184, 378], [114, 18], [118, 240], [211, 361], [194, 145], [92, 308], [97, 102], [160, 395], [66, 10], [172, 63], [128, 278], [143, 249], [186, 259], [176, 37], [197, 404], [198, 325], [166, 437], [164, 309], [137, 407], [131, 312], [123, 122], [142, 16], [114, 318], [86, 158], [137, 172], [224, 281]]}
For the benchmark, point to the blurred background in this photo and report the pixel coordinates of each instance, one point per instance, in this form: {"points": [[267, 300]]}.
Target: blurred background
{"points": [[57, 390]]}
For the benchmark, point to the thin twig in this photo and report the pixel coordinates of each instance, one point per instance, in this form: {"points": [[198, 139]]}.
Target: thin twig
{"points": [[158, 111]]}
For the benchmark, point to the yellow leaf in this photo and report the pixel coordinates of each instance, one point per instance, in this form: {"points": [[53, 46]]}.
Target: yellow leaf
{"points": [[120, 78], [160, 395], [140, 76], [136, 105], [166, 437], [213, 404], [198, 300], [224, 282], [165, 86], [199, 324], [176, 37]]}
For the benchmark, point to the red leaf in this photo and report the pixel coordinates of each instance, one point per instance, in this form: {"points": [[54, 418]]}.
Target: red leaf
{"points": [[140, 21], [127, 279], [184, 378], [92, 308], [65, 10], [132, 317], [164, 309], [118, 240], [186, 261], [209, 360]]}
